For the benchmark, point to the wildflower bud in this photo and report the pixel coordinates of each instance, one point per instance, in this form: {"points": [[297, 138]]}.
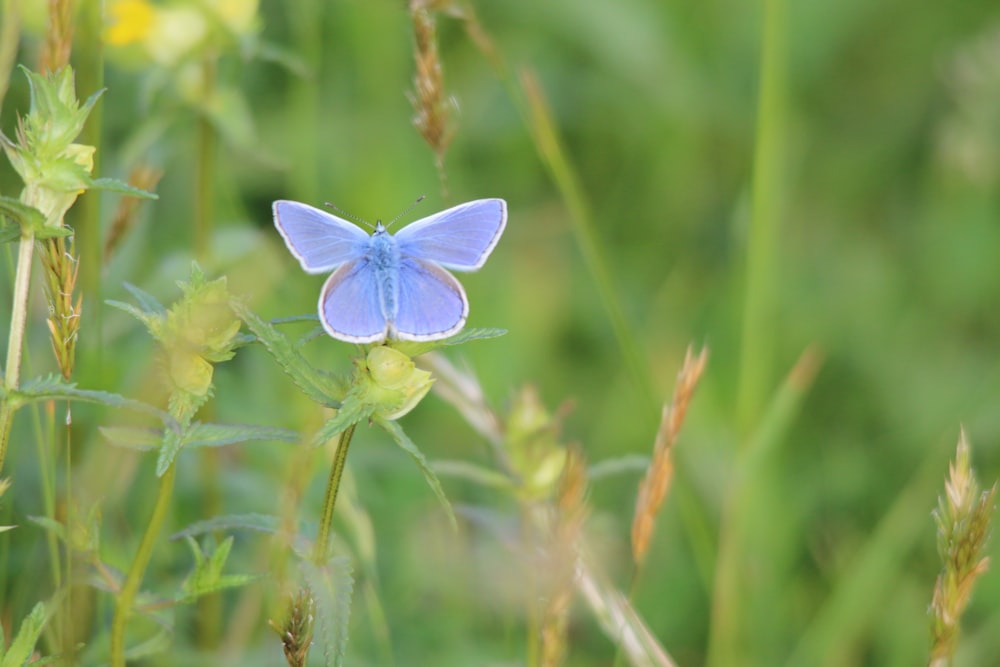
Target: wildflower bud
{"points": [[396, 384], [199, 330], [55, 170], [536, 455]]}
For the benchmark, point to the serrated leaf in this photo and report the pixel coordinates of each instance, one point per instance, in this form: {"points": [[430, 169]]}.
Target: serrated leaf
{"points": [[262, 523], [318, 386], [403, 440], [26, 216], [412, 349], [352, 411], [172, 443], [467, 335], [47, 232], [207, 575], [332, 587], [222, 583], [9, 231], [23, 644], [133, 437], [122, 188], [217, 435], [54, 387]]}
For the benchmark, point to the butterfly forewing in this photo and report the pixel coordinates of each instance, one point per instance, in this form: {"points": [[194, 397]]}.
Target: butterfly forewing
{"points": [[349, 305], [319, 240], [460, 238], [432, 304]]}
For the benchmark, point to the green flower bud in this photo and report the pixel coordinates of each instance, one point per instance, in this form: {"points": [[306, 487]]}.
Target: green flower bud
{"points": [[396, 384], [535, 453], [199, 330]]}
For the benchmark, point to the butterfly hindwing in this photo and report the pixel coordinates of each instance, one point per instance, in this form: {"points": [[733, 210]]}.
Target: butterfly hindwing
{"points": [[459, 238], [432, 304], [319, 240], [349, 305]]}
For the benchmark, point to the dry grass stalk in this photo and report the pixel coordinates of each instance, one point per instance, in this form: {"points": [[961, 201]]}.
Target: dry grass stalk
{"points": [[61, 271], [296, 632], [58, 36], [145, 177], [963, 519], [430, 102], [570, 513], [656, 484]]}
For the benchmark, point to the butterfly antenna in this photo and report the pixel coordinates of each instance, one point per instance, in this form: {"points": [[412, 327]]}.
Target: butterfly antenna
{"points": [[348, 215], [408, 209]]}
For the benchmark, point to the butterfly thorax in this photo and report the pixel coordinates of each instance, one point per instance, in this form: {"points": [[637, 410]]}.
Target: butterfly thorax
{"points": [[383, 253]]}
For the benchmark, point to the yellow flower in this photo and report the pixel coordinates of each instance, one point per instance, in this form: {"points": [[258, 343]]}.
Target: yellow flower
{"points": [[175, 33], [131, 21]]}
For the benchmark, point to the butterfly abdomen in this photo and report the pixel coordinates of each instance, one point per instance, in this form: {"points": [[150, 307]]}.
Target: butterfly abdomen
{"points": [[384, 257]]}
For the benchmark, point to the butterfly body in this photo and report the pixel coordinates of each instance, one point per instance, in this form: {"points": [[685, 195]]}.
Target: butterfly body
{"points": [[392, 286]]}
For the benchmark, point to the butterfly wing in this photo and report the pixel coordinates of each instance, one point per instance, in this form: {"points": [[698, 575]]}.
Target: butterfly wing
{"points": [[460, 238], [349, 305], [319, 240], [431, 305]]}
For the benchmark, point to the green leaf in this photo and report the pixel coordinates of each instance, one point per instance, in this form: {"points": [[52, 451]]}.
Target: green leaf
{"points": [[47, 232], [473, 473], [262, 523], [627, 464], [147, 320], [51, 525], [147, 301], [217, 435], [467, 335], [133, 437], [275, 53], [54, 387], [23, 644], [207, 575], [352, 411], [122, 188], [332, 586], [396, 431], [26, 216], [318, 386], [172, 443], [412, 349], [158, 643], [9, 231]]}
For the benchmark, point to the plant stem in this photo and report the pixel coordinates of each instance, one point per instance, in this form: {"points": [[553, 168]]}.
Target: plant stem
{"points": [[322, 546], [126, 597], [18, 320], [9, 40], [205, 172], [760, 304]]}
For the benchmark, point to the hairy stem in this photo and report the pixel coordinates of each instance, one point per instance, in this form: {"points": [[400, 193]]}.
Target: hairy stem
{"points": [[322, 546], [18, 320], [126, 597]]}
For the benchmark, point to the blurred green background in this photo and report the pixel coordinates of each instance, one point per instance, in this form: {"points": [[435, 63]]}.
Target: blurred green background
{"points": [[886, 261]]}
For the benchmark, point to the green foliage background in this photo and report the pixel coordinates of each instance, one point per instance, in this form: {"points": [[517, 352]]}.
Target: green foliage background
{"points": [[886, 262]]}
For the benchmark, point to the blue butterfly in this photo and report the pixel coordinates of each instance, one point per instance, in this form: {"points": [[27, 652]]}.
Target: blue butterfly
{"points": [[392, 286]]}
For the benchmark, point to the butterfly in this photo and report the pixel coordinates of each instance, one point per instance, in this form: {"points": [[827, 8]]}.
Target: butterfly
{"points": [[386, 285]]}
